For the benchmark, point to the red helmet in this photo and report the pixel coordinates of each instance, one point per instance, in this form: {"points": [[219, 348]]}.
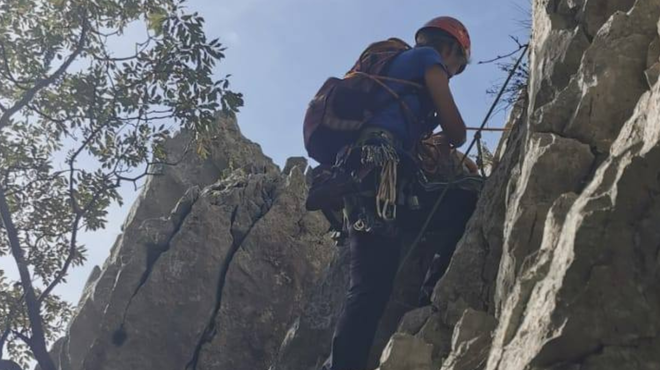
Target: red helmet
{"points": [[453, 27]]}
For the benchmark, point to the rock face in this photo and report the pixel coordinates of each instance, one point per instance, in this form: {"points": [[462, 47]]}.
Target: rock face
{"points": [[209, 270], [308, 341], [559, 267], [220, 267]]}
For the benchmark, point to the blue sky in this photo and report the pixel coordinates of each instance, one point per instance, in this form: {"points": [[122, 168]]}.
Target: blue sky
{"points": [[281, 51]]}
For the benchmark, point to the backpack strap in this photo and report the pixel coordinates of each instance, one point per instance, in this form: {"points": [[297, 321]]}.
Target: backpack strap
{"points": [[379, 79], [410, 117]]}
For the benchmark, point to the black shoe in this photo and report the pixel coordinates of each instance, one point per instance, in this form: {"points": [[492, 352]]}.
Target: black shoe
{"points": [[329, 186]]}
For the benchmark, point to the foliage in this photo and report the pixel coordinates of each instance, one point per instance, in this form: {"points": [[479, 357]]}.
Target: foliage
{"points": [[76, 122], [520, 76], [523, 11], [518, 83]]}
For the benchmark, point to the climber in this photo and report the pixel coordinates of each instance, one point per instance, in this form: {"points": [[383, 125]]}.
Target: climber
{"points": [[384, 158]]}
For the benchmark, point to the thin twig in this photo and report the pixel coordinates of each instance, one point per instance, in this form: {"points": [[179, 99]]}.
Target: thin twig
{"points": [[3, 339], [500, 57], [9, 75], [9, 318], [27, 340], [72, 245]]}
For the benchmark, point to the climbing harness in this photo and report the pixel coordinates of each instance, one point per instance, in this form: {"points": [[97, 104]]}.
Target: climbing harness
{"points": [[373, 160], [477, 138]]}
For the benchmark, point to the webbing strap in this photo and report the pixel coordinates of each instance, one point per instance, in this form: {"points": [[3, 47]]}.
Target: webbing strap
{"points": [[385, 78], [377, 79]]}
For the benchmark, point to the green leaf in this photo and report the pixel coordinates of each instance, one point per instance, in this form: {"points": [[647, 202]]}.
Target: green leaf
{"points": [[156, 20]]}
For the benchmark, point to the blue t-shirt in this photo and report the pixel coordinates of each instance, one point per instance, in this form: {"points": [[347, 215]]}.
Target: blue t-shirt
{"points": [[410, 65]]}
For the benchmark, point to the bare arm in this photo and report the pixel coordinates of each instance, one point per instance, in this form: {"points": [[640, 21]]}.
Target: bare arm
{"points": [[452, 124], [468, 162]]}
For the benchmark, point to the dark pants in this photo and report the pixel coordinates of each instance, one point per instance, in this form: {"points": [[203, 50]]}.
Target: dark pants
{"points": [[449, 222], [440, 262], [374, 260], [373, 264]]}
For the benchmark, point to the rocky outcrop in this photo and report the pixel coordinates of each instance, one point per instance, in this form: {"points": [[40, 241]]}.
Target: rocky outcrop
{"points": [[308, 341], [559, 267], [209, 269], [220, 267]]}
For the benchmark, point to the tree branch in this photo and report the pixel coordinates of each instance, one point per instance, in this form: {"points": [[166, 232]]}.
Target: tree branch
{"points": [[59, 122], [74, 204], [25, 186], [3, 339], [72, 245], [9, 318], [80, 211], [22, 337], [38, 344], [9, 75], [29, 94], [500, 57], [140, 48], [67, 263]]}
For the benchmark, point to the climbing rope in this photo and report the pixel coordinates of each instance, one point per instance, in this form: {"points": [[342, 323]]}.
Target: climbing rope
{"points": [[452, 180], [386, 197], [385, 157], [486, 129]]}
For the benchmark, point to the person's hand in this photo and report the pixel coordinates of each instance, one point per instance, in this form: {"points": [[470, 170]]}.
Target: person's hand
{"points": [[467, 162], [441, 142]]}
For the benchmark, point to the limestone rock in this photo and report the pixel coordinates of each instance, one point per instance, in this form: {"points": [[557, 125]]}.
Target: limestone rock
{"points": [[176, 284], [529, 203], [413, 321], [473, 324], [561, 254], [307, 342], [612, 73], [438, 334], [300, 162], [653, 74], [406, 352], [469, 279], [471, 341], [653, 63], [220, 267], [279, 259], [596, 12], [595, 294]]}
